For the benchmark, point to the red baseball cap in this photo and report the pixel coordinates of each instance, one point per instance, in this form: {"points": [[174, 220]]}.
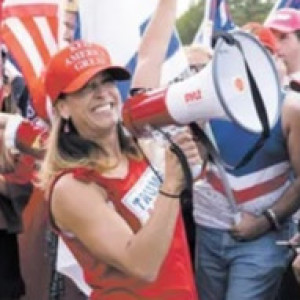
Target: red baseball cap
{"points": [[284, 20], [72, 67]]}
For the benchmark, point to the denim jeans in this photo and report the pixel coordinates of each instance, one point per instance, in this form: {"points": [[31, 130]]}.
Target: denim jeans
{"points": [[230, 270]]}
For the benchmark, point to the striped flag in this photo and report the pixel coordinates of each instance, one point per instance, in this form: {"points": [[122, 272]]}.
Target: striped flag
{"points": [[30, 31], [282, 4], [217, 17]]}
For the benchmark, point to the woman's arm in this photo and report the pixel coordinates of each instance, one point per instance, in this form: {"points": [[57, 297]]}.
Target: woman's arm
{"points": [[82, 209], [154, 45]]}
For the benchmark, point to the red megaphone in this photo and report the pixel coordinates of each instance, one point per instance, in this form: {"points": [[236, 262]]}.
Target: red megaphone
{"points": [[146, 108]]}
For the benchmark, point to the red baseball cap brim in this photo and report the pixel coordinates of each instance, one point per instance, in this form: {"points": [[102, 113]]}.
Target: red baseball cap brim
{"points": [[285, 20], [117, 73], [281, 28]]}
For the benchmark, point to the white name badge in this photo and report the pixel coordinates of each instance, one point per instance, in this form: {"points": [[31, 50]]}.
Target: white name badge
{"points": [[141, 198]]}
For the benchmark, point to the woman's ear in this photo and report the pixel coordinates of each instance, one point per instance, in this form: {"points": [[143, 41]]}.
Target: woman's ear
{"points": [[63, 109]]}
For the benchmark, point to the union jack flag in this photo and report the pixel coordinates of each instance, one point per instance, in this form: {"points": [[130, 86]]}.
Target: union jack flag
{"points": [[30, 31]]}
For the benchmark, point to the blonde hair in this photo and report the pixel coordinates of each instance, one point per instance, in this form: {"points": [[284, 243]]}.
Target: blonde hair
{"points": [[55, 161]]}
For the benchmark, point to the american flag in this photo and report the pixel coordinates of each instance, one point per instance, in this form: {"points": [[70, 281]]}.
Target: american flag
{"points": [[30, 32], [217, 17]]}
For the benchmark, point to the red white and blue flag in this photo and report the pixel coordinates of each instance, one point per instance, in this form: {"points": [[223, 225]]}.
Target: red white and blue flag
{"points": [[30, 31], [217, 17]]}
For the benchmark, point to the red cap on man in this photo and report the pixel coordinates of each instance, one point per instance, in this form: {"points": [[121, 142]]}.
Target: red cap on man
{"points": [[72, 67], [284, 20], [265, 35]]}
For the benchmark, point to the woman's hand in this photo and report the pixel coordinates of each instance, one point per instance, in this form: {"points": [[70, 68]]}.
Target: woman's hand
{"points": [[187, 144], [174, 176]]}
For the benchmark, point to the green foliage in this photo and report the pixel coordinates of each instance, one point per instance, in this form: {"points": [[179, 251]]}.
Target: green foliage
{"points": [[188, 24], [242, 11]]}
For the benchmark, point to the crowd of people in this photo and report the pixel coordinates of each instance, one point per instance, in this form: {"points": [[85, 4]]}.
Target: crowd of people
{"points": [[130, 221]]}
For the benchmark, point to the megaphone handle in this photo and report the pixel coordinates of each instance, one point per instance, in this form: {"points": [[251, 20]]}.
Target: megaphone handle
{"points": [[188, 191]]}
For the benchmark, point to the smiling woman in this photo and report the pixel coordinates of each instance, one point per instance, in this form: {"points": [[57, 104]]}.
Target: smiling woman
{"points": [[120, 210]]}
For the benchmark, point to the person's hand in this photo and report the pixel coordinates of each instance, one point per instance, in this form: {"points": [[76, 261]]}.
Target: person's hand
{"points": [[185, 140], [249, 227], [174, 175]]}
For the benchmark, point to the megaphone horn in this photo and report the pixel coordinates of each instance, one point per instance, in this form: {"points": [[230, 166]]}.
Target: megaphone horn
{"points": [[220, 90]]}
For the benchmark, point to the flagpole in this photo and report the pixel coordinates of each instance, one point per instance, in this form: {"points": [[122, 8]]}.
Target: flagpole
{"points": [[207, 24], [206, 27]]}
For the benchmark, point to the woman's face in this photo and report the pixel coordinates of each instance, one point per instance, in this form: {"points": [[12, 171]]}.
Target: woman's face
{"points": [[288, 49], [95, 108]]}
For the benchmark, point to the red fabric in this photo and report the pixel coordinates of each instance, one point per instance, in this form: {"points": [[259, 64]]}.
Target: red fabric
{"points": [[72, 67], [265, 35], [32, 57], [284, 20], [24, 171], [175, 280], [31, 137]]}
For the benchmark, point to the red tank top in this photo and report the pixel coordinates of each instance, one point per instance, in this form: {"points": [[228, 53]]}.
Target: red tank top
{"points": [[133, 198]]}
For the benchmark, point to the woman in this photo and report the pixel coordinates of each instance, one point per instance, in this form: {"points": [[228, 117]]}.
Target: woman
{"points": [[120, 220]]}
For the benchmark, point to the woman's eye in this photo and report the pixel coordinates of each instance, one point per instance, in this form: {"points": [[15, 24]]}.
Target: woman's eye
{"points": [[93, 86]]}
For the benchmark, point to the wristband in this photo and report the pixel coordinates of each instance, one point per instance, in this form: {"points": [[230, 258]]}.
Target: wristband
{"points": [[272, 218], [168, 195]]}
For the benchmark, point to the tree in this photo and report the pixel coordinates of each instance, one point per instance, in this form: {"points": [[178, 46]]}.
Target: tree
{"points": [[242, 11]]}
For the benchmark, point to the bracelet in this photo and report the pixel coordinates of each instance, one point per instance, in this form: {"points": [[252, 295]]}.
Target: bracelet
{"points": [[168, 195], [272, 218]]}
